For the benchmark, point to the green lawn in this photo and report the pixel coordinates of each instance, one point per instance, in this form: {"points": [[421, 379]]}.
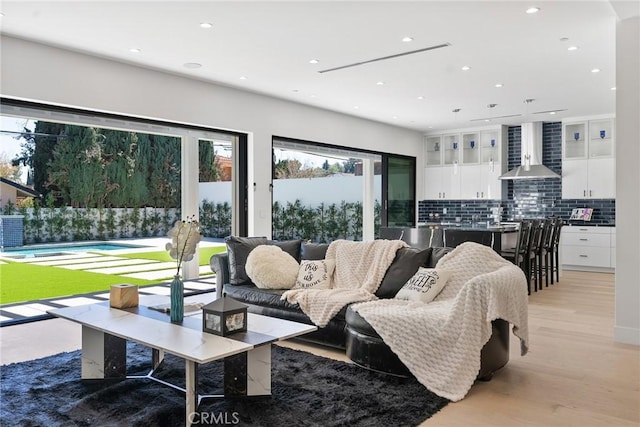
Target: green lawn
{"points": [[27, 282], [205, 254]]}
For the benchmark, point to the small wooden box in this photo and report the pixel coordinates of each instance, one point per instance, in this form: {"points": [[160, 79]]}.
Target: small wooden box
{"points": [[123, 296]]}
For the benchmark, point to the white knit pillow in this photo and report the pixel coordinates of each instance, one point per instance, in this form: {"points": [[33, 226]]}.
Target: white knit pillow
{"points": [[315, 274], [269, 267], [425, 285]]}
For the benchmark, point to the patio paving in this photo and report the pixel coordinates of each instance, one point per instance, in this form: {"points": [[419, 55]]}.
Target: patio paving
{"points": [[109, 263], [30, 311]]}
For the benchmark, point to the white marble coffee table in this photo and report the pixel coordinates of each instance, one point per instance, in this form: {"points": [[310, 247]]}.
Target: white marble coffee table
{"points": [[247, 356]]}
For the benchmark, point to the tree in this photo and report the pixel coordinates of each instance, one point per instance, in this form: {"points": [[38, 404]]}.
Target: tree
{"points": [[8, 169], [36, 151], [76, 167], [209, 169], [349, 166], [93, 167]]}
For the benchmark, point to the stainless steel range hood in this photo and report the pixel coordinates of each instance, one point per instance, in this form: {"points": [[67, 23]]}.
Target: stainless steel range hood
{"points": [[531, 166]]}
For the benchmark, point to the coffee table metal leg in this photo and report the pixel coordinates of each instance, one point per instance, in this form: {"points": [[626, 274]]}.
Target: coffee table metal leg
{"points": [[191, 389], [104, 356]]}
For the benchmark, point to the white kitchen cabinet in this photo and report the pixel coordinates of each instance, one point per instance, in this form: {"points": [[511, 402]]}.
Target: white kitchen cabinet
{"points": [[613, 247], [470, 164], [587, 248], [442, 182], [589, 179], [480, 182], [588, 163]]}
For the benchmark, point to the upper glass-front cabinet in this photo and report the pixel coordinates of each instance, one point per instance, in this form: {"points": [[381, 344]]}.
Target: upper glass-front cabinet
{"points": [[601, 138], [588, 139], [490, 147], [470, 148], [451, 146], [465, 148], [433, 150], [575, 140]]}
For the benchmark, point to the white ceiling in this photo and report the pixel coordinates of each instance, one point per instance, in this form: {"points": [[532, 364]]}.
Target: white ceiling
{"points": [[271, 43]]}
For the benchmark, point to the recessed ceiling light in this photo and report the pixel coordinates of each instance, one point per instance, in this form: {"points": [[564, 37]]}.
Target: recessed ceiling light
{"points": [[487, 120], [595, 70], [355, 107], [313, 95], [206, 25], [552, 113], [313, 61], [243, 77], [380, 83], [533, 9], [395, 117], [465, 68], [499, 85], [571, 48], [613, 88], [191, 65], [407, 39], [421, 98], [135, 50]]}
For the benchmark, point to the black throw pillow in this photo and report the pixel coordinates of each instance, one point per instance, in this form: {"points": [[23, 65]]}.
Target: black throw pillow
{"points": [[313, 251], [292, 247], [238, 249], [403, 267]]}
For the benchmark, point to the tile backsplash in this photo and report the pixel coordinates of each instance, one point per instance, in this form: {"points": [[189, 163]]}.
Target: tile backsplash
{"points": [[536, 198]]}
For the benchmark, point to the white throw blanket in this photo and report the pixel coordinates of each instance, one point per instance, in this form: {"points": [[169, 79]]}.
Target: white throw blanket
{"points": [[440, 342], [360, 268]]}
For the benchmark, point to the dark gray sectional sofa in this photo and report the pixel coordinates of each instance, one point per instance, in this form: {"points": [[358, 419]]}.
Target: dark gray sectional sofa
{"points": [[347, 330]]}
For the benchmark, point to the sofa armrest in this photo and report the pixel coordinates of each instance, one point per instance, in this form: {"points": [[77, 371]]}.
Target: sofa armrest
{"points": [[219, 264]]}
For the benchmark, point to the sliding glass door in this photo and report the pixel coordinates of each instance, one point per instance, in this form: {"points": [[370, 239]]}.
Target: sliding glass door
{"points": [[398, 191]]}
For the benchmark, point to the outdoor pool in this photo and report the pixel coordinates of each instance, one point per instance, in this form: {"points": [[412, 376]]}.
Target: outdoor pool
{"points": [[63, 248]]}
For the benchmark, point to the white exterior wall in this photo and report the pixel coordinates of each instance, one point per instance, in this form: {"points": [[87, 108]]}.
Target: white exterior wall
{"points": [[310, 192], [78, 80]]}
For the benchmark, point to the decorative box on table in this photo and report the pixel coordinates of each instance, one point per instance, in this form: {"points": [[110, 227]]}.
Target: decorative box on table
{"points": [[123, 296]]}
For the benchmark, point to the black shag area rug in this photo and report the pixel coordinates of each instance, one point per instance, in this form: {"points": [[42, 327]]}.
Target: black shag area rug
{"points": [[307, 390]]}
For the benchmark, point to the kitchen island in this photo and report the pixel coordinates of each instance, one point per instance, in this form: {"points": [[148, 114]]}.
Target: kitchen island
{"points": [[451, 234]]}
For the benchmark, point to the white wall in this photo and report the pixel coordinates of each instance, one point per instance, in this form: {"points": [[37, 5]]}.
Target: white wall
{"points": [[310, 191], [627, 321], [42, 73]]}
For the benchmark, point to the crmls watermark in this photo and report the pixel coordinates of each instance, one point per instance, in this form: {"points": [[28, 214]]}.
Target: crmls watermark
{"points": [[214, 418]]}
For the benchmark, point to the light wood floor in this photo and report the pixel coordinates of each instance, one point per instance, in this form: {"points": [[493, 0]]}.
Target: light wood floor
{"points": [[573, 375]]}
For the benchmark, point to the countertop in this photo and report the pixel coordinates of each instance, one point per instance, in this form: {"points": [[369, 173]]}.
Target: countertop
{"points": [[588, 224], [476, 226]]}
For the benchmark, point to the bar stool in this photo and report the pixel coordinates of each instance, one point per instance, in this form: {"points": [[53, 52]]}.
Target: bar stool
{"points": [[555, 250], [534, 250], [520, 254], [544, 251]]}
